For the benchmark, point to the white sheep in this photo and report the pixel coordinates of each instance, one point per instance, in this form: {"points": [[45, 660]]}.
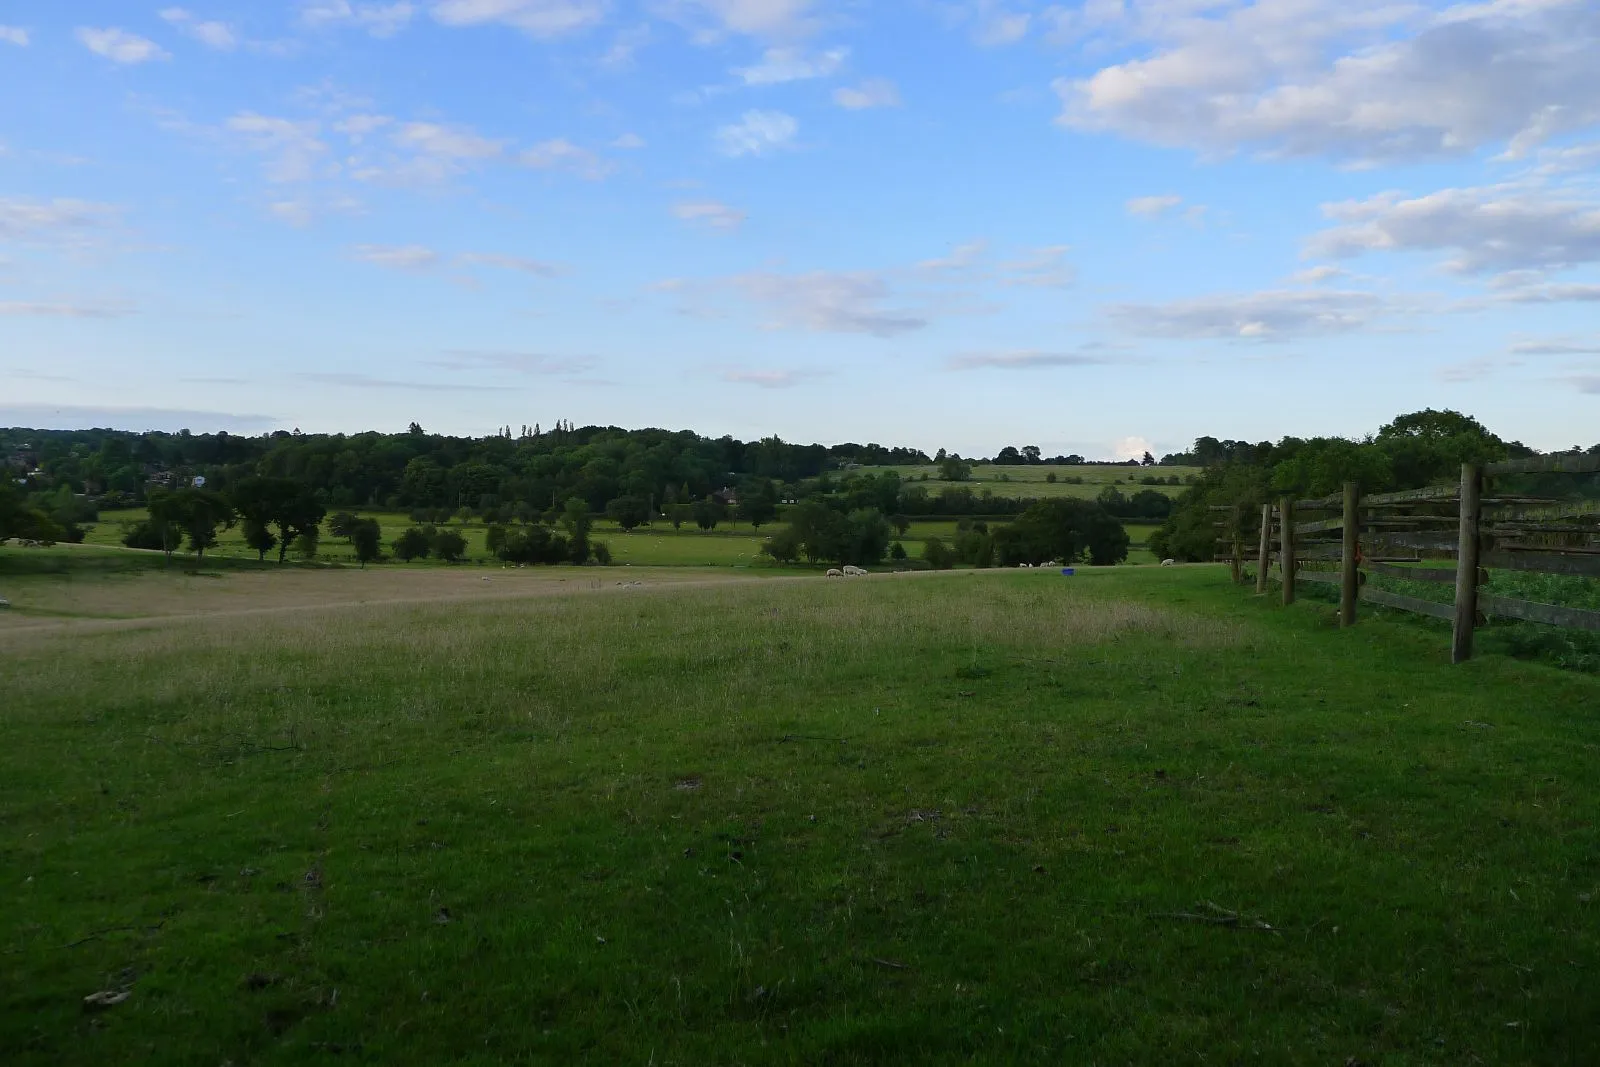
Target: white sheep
{"points": [[1169, 563], [835, 572], [854, 572]]}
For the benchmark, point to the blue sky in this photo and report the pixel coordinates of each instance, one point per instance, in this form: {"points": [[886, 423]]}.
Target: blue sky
{"points": [[1096, 227]]}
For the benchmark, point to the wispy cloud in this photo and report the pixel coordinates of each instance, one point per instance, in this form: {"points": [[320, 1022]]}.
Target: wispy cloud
{"points": [[561, 154], [771, 379], [628, 142], [378, 19], [58, 222], [15, 35], [1152, 207], [536, 18], [961, 257], [365, 381], [779, 65], [757, 133], [25, 308], [1043, 268], [1261, 316], [710, 214], [1023, 360], [534, 364], [83, 417], [397, 257], [874, 92], [217, 35], [120, 46], [537, 267]]}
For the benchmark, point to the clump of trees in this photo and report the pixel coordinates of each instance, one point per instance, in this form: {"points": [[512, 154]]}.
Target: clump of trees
{"points": [[821, 534], [1415, 450], [1068, 530]]}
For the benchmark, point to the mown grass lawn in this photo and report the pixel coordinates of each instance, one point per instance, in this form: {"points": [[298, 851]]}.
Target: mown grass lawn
{"points": [[1134, 816]]}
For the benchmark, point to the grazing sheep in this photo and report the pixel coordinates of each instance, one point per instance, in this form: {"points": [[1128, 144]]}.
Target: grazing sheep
{"points": [[854, 572], [1169, 563], [834, 572]]}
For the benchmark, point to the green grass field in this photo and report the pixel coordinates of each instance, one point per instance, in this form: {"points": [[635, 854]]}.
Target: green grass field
{"points": [[1135, 816], [1030, 480]]}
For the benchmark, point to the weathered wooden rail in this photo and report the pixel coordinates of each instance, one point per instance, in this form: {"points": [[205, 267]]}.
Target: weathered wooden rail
{"points": [[1395, 535]]}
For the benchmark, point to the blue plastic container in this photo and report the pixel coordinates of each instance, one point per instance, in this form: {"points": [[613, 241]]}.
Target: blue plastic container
{"points": [[1068, 571]]}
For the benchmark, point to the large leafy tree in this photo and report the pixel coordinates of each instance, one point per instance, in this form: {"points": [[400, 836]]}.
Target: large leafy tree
{"points": [[288, 504], [1061, 529]]}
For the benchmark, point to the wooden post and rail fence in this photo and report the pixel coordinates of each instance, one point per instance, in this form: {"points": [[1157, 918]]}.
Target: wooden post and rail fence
{"points": [[1394, 535]]}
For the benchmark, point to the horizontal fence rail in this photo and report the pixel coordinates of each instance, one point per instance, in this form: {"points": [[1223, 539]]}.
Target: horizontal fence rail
{"points": [[1405, 535]]}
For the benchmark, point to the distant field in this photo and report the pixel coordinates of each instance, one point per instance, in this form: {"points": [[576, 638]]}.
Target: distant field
{"points": [[1029, 481], [657, 545]]}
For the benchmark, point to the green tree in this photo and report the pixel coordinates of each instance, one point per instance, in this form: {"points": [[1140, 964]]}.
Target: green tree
{"points": [[258, 537], [952, 469], [197, 513], [306, 545], [938, 554], [494, 539], [900, 523], [449, 546], [367, 537], [1062, 529], [708, 512], [289, 505], [629, 512], [758, 502], [413, 543], [576, 519], [783, 546], [343, 524]]}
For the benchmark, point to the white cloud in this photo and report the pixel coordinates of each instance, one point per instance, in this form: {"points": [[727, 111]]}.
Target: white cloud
{"points": [[1152, 207], [710, 213], [625, 47], [961, 257], [561, 154], [1022, 360], [1586, 383], [446, 142], [771, 19], [217, 35], [830, 302], [994, 24], [628, 141], [536, 18], [120, 46], [378, 19], [357, 127], [529, 363], [536, 267], [1488, 229], [789, 64], [1553, 294], [24, 308], [769, 379], [14, 35], [397, 257], [292, 146], [757, 133], [1556, 348], [1358, 80], [1318, 275], [1044, 268], [51, 221], [1131, 448], [1264, 316], [874, 92]]}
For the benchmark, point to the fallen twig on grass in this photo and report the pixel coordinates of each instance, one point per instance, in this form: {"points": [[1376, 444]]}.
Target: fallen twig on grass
{"points": [[786, 738], [96, 935], [1218, 916], [891, 964]]}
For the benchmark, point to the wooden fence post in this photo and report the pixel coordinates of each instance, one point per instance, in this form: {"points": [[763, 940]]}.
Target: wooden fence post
{"points": [[1236, 522], [1266, 550], [1286, 546], [1349, 562], [1467, 563]]}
